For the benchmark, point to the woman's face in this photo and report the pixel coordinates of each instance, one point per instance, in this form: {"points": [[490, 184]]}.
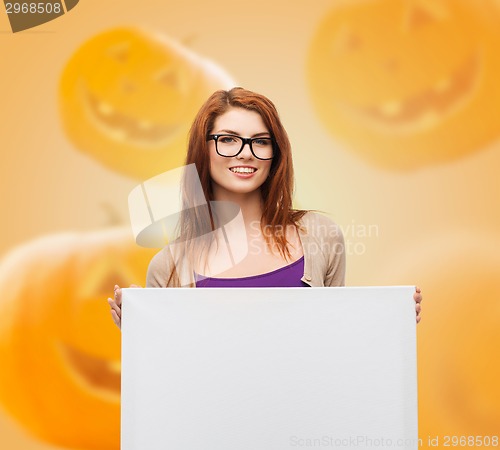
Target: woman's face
{"points": [[243, 173]]}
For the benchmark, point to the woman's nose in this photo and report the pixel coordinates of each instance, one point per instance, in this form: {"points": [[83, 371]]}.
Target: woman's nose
{"points": [[246, 152]]}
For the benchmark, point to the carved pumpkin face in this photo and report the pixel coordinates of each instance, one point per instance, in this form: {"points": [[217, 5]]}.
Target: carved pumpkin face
{"points": [[128, 99], [459, 336], [60, 350], [406, 83]]}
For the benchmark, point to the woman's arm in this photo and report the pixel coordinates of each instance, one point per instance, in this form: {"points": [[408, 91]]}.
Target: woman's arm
{"points": [[335, 274], [158, 269], [323, 243]]}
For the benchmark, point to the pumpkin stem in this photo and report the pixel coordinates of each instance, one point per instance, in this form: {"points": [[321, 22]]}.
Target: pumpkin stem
{"points": [[188, 41]]}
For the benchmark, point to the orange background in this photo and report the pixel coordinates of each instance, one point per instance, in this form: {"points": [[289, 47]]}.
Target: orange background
{"points": [[436, 224]]}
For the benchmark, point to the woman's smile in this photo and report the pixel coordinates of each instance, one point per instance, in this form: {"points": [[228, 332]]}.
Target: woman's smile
{"points": [[243, 171]]}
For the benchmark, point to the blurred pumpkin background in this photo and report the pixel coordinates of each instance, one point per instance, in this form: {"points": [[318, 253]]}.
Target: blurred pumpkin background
{"points": [[391, 107]]}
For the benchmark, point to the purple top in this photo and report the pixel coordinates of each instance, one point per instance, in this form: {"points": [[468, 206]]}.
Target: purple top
{"points": [[288, 276]]}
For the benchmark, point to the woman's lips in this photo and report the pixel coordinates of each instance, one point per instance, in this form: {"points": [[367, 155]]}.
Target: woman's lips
{"points": [[243, 171]]}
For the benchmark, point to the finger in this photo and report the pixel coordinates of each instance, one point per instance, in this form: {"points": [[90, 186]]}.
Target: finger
{"points": [[118, 296], [112, 304], [115, 307], [418, 290], [418, 319], [418, 308]]}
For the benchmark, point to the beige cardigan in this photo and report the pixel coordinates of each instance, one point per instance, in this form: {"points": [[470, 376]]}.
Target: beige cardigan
{"points": [[324, 256]]}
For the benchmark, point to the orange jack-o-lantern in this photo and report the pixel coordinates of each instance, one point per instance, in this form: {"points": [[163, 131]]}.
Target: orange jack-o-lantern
{"points": [[406, 83], [59, 349], [458, 337], [128, 98]]}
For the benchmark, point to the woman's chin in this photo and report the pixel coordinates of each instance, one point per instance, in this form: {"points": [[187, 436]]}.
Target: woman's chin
{"points": [[236, 188]]}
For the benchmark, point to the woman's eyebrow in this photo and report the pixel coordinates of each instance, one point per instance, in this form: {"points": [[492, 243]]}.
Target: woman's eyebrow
{"points": [[262, 133]]}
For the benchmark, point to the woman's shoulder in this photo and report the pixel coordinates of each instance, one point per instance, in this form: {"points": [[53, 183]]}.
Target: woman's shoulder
{"points": [[168, 260], [159, 268], [320, 226], [323, 241]]}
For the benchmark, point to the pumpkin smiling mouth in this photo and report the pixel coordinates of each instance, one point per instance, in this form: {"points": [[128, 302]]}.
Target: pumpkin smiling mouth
{"points": [[427, 108], [97, 374], [122, 127]]}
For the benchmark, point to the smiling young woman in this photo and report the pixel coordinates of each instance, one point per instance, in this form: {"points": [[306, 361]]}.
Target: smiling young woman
{"points": [[243, 157]]}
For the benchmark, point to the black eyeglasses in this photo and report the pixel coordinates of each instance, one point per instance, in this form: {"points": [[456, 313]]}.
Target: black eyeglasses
{"points": [[229, 145]]}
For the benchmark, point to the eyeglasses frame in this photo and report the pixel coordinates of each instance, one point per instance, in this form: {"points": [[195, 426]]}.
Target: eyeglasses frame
{"points": [[244, 141]]}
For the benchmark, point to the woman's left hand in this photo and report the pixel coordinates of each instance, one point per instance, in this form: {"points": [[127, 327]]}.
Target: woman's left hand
{"points": [[417, 296]]}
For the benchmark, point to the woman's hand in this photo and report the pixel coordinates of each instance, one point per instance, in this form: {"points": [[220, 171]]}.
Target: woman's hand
{"points": [[417, 296], [116, 305]]}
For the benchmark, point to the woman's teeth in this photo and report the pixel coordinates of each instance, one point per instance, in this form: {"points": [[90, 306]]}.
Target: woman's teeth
{"points": [[242, 169]]}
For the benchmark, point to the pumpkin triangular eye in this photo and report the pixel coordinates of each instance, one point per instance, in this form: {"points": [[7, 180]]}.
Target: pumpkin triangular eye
{"points": [[169, 77], [106, 285], [102, 276], [424, 12], [346, 40], [120, 52]]}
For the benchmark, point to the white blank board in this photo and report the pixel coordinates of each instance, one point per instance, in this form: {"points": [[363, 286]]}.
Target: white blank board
{"points": [[269, 368]]}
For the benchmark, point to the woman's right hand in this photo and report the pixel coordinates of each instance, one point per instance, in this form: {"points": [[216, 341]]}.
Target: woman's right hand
{"points": [[116, 305]]}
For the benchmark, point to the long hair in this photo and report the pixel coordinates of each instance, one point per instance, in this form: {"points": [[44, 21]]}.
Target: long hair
{"points": [[276, 191]]}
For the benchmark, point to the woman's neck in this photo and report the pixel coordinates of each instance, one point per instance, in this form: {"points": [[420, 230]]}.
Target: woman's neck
{"points": [[249, 203]]}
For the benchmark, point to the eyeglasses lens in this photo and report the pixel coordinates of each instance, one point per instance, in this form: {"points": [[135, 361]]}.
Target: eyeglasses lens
{"points": [[231, 145]]}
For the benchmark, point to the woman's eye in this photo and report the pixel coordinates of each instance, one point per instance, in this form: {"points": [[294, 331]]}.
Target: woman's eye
{"points": [[262, 142], [226, 139]]}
